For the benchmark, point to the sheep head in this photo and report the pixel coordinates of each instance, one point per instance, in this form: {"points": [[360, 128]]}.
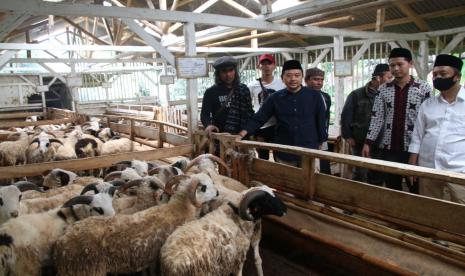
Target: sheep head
{"points": [[260, 201], [199, 188], [83, 206], [57, 178], [10, 196], [44, 143]]}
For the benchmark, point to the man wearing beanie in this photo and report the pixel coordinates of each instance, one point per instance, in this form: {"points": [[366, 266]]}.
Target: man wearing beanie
{"points": [[299, 112], [260, 89], [226, 106], [394, 114], [438, 140], [355, 120], [314, 79]]}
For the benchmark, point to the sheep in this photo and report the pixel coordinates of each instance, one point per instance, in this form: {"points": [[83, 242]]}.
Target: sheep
{"points": [[217, 243], [105, 134], [117, 146], [67, 150], [14, 152], [129, 243], [26, 242], [41, 148], [10, 197], [142, 167]]}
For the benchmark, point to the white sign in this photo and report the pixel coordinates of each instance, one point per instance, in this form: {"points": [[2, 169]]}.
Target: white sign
{"points": [[342, 68], [191, 67], [74, 81], [106, 84], [166, 79], [42, 88]]}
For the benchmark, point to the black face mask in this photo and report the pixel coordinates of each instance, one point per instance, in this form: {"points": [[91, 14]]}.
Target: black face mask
{"points": [[443, 84]]}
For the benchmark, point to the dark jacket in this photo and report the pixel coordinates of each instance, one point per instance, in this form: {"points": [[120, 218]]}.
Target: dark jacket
{"points": [[228, 111], [327, 99], [356, 114], [300, 119]]}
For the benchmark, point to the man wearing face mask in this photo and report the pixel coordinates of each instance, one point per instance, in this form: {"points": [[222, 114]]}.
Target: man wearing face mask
{"points": [[438, 140], [394, 113]]}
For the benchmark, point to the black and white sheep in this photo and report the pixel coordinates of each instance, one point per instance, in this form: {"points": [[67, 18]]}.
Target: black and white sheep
{"points": [[217, 244], [42, 148], [10, 197], [26, 242], [129, 243]]}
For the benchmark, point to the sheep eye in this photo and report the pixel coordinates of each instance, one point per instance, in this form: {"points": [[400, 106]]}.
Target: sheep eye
{"points": [[98, 210], [1, 201], [203, 188], [48, 144]]}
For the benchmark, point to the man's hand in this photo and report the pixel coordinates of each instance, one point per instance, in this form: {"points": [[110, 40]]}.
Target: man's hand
{"points": [[412, 160], [243, 133], [210, 129], [351, 142], [366, 151]]}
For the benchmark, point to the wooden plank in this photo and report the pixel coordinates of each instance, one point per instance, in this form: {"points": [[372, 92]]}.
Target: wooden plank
{"points": [[37, 123], [372, 164], [16, 115], [391, 203], [308, 176], [92, 163], [174, 139], [139, 131], [161, 133]]}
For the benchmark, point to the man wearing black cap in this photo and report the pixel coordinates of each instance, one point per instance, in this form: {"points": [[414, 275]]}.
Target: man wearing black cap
{"points": [[299, 112], [260, 89], [394, 114], [438, 140], [355, 120], [226, 106]]}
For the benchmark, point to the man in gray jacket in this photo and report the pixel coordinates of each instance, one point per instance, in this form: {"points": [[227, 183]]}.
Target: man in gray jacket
{"points": [[355, 120]]}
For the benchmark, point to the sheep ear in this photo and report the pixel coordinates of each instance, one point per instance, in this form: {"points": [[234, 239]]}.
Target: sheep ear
{"points": [[64, 177]]}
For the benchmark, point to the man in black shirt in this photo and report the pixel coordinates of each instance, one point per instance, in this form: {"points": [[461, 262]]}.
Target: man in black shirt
{"points": [[227, 105], [299, 112]]}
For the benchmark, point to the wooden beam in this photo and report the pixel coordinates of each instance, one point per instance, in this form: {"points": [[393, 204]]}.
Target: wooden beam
{"points": [[306, 8], [11, 22], [94, 38], [200, 9], [93, 162], [380, 18], [240, 8], [192, 106], [247, 37], [5, 58], [408, 11], [106, 23], [296, 38], [361, 51], [37, 123], [66, 9], [320, 57], [453, 43], [16, 115], [150, 40]]}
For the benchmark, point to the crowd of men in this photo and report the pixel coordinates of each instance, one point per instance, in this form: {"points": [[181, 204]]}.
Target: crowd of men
{"points": [[394, 117]]}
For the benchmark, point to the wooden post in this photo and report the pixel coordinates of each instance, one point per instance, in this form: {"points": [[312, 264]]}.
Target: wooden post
{"points": [[131, 131], [108, 121], [160, 135], [308, 176], [339, 84], [189, 36]]}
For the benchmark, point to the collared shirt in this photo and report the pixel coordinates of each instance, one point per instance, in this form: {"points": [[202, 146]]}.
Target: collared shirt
{"points": [[300, 119], [384, 107], [439, 135]]}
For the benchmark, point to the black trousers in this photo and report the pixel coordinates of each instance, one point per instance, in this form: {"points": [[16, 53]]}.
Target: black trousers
{"points": [[394, 181], [265, 135]]}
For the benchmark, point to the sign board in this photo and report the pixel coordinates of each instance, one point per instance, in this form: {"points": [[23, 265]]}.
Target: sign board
{"points": [[42, 88], [166, 79], [191, 67], [342, 68], [106, 84], [74, 81]]}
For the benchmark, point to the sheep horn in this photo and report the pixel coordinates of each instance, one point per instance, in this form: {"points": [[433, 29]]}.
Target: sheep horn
{"points": [[36, 140], [130, 184], [124, 162], [51, 134], [154, 171], [151, 165], [82, 199], [173, 182], [112, 190], [52, 140], [245, 202], [26, 186], [112, 176], [156, 183], [90, 187], [193, 192], [211, 157], [117, 182]]}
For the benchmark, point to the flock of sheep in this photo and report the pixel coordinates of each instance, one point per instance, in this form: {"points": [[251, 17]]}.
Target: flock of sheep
{"points": [[178, 219]]}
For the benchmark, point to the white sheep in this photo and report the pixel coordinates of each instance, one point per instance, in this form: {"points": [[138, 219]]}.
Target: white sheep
{"points": [[42, 148], [67, 150], [105, 134], [10, 197], [26, 242], [14, 152], [217, 244], [129, 243], [117, 146]]}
